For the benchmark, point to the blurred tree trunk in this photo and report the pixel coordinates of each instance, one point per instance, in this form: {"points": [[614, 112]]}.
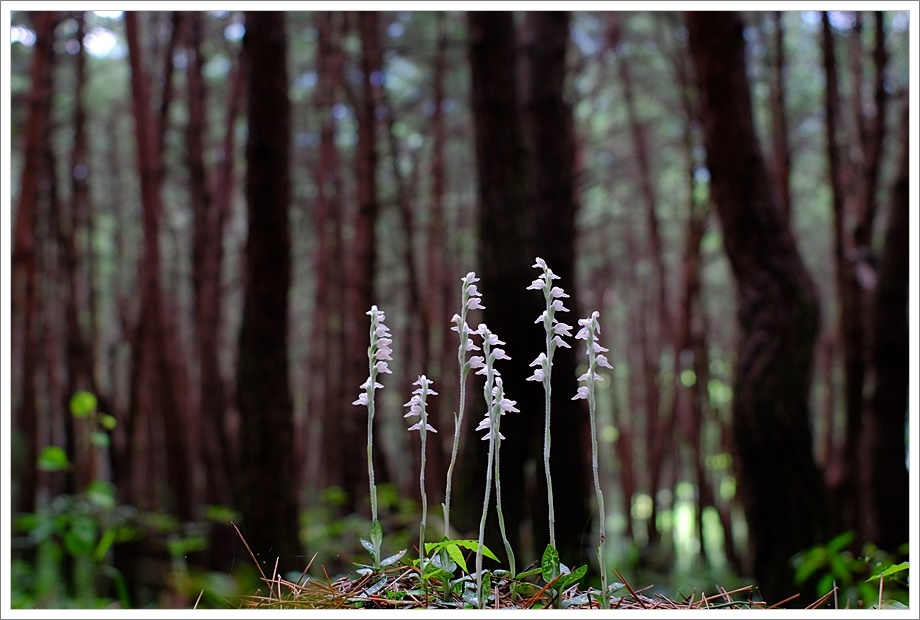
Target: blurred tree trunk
{"points": [[691, 341], [842, 462], [328, 348], [854, 185], [24, 287], [784, 496], [505, 257], [209, 194], [360, 291], [659, 443], [267, 480], [419, 329], [156, 343], [885, 476], [72, 226], [549, 132], [443, 347], [780, 130]]}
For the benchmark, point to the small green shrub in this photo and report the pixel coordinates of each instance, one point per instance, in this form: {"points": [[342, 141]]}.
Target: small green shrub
{"points": [[869, 579]]}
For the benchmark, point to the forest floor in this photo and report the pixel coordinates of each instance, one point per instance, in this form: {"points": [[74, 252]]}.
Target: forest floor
{"points": [[398, 588]]}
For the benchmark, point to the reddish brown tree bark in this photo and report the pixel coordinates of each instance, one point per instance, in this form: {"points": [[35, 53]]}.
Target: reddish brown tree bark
{"points": [[443, 348], [360, 289], [658, 440], [780, 131], [24, 290], [328, 347], [267, 480], [159, 364], [549, 131], [504, 268], [854, 171], [207, 256], [79, 360], [885, 477], [784, 497]]}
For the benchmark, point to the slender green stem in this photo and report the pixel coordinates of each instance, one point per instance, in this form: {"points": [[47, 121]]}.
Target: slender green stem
{"points": [[493, 436], [370, 451], [421, 484], [547, 440], [498, 486], [588, 333], [469, 298], [548, 395], [458, 418], [601, 517]]}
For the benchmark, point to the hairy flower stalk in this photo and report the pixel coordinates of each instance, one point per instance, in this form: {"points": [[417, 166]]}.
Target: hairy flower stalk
{"points": [[485, 365], [502, 405], [470, 300], [417, 407], [544, 362], [590, 328], [377, 354]]}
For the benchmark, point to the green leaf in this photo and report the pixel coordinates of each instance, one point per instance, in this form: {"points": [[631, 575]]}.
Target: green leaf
{"points": [[378, 586], [472, 545], [107, 421], [572, 577], [891, 570], [529, 573], [486, 589], [83, 404], [454, 552], [393, 558], [80, 538], [442, 560], [581, 599], [841, 541], [368, 546], [53, 458], [892, 604], [100, 439], [434, 572], [101, 493], [549, 565], [105, 543], [376, 534]]}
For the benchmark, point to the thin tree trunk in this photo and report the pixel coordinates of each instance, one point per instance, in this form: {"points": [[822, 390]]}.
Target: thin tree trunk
{"points": [[207, 257], [157, 335], [337, 467], [267, 478], [844, 462], [550, 138], [781, 155], [24, 289], [442, 351], [659, 442], [360, 290], [885, 476], [778, 314], [505, 256], [79, 361]]}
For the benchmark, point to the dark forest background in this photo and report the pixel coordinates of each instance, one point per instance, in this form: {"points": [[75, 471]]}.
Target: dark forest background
{"points": [[204, 205]]}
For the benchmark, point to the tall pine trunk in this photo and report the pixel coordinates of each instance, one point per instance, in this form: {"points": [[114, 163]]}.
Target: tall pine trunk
{"points": [[781, 487], [267, 480], [885, 476], [549, 131], [505, 256], [24, 287]]}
